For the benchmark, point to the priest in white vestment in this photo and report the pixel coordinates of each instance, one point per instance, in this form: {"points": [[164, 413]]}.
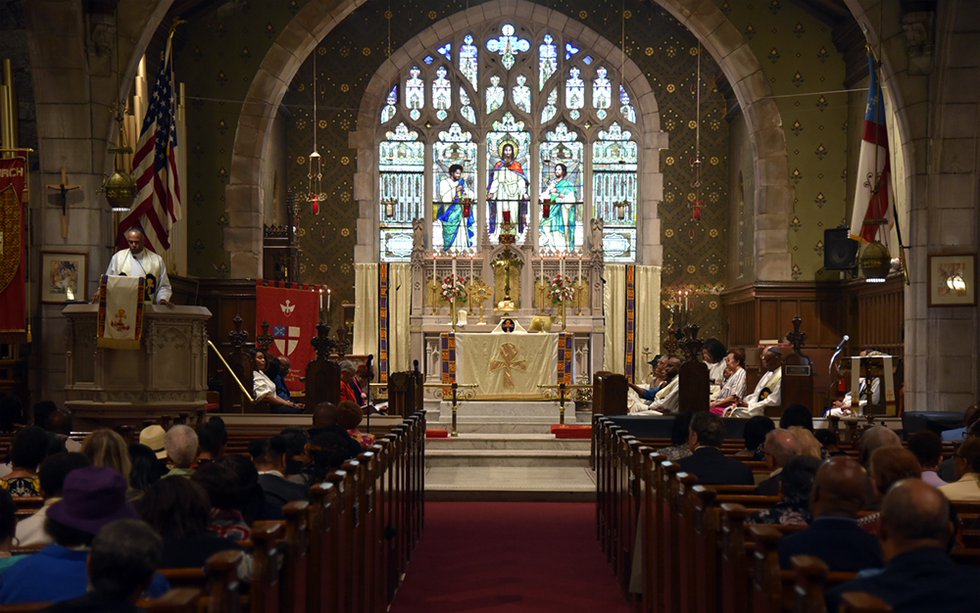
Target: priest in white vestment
{"points": [[767, 392], [138, 261]]}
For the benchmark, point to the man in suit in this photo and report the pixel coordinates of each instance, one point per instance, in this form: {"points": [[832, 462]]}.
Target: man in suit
{"points": [[920, 575], [708, 463], [269, 456], [780, 447], [839, 492]]}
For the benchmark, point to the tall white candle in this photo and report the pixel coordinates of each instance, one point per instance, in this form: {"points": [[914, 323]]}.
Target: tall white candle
{"points": [[454, 265], [472, 258], [321, 298], [561, 264], [580, 268], [328, 299], [433, 265]]}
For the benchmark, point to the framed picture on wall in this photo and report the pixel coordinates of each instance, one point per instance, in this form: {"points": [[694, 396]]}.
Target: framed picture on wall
{"points": [[63, 277], [953, 280]]}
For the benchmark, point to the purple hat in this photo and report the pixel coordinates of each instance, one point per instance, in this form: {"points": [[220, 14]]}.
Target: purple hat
{"points": [[93, 496]]}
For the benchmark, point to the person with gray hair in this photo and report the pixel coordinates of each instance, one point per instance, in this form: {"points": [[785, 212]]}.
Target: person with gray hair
{"points": [[873, 439], [124, 557], [349, 389], [181, 445], [780, 447], [919, 574]]}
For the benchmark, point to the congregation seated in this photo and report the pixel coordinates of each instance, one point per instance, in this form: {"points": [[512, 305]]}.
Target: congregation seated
{"points": [[269, 456], [27, 450], [707, 462], [295, 440], [8, 531], [889, 465], [874, 438], [121, 566], [967, 486], [679, 434], [181, 444], [225, 519], [211, 440], [179, 511], [796, 415], [927, 447], [248, 495], [104, 447], [155, 438], [780, 447], [839, 493], [52, 474], [349, 417], [809, 445], [328, 433], [970, 416], [919, 574], [94, 496], [754, 435], [147, 468], [795, 484]]}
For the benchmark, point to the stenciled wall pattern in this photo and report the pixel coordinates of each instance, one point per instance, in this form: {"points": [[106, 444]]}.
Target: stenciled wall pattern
{"points": [[218, 53]]}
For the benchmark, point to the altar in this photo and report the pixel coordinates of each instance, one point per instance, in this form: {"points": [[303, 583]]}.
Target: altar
{"points": [[507, 366]]}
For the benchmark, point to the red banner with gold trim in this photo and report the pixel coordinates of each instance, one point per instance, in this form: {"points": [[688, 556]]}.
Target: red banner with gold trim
{"points": [[13, 250]]}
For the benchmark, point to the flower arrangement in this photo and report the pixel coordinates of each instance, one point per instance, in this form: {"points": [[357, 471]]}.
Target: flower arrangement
{"points": [[453, 288], [562, 289]]}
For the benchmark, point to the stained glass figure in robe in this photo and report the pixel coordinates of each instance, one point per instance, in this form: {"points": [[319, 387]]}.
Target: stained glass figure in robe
{"points": [[456, 212], [559, 219], [507, 189]]}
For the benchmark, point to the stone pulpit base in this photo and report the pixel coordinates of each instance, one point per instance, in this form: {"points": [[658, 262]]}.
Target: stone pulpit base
{"points": [[166, 376]]}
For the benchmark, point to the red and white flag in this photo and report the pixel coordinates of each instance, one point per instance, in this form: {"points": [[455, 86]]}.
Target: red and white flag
{"points": [[871, 192], [292, 312], [155, 167]]}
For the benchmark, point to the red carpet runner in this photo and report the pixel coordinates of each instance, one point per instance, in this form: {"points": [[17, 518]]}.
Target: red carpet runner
{"points": [[506, 556]]}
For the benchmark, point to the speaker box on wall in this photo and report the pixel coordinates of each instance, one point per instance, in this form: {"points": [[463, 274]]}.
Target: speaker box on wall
{"points": [[839, 250]]}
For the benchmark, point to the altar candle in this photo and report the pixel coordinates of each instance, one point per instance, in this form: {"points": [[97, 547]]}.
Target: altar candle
{"points": [[472, 258], [561, 264], [686, 306], [321, 298], [328, 299], [541, 261], [580, 268], [433, 265], [454, 265]]}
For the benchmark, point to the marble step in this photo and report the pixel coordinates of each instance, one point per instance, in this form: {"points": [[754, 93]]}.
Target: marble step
{"points": [[494, 427], [510, 484], [468, 441], [506, 457]]}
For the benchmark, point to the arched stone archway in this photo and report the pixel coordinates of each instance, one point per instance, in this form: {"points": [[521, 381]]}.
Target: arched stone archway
{"points": [[773, 194]]}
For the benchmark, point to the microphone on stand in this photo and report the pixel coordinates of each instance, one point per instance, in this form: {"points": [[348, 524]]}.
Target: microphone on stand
{"points": [[833, 358]]}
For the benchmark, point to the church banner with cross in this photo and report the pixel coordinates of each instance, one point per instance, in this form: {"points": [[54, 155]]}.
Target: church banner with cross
{"points": [[507, 366], [13, 252], [292, 311]]}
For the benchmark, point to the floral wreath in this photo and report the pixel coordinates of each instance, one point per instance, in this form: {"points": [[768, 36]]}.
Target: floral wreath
{"points": [[453, 288], [561, 289]]}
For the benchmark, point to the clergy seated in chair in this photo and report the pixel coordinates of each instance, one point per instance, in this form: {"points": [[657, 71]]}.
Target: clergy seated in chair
{"points": [[707, 462], [264, 389], [767, 392], [666, 401], [733, 387], [920, 575], [834, 536]]}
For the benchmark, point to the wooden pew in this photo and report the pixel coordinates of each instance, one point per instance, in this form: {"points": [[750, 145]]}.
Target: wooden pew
{"points": [[862, 602], [296, 578], [267, 558]]}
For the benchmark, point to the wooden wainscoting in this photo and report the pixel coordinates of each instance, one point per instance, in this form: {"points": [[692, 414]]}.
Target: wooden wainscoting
{"points": [[872, 315]]}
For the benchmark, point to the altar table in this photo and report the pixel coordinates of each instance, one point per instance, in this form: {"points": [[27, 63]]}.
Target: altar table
{"points": [[507, 366]]}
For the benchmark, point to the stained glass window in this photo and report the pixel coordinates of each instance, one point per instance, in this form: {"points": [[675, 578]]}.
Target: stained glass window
{"points": [[547, 60], [454, 214], [390, 107], [495, 95], [488, 97], [415, 93], [442, 93], [401, 166], [560, 202], [614, 163], [522, 94], [467, 60]]}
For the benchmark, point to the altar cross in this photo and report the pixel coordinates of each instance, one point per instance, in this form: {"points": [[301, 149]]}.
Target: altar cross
{"points": [[507, 361]]}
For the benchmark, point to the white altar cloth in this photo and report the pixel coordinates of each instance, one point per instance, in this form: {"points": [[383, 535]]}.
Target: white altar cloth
{"points": [[507, 366]]}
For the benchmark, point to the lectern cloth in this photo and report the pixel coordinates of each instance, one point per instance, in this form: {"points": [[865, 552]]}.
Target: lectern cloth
{"points": [[120, 324], [507, 366]]}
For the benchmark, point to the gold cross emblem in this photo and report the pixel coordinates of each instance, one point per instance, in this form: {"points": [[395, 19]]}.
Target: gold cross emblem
{"points": [[506, 360]]}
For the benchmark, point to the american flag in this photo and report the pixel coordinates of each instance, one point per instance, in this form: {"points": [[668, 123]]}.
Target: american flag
{"points": [[874, 168], [155, 167]]}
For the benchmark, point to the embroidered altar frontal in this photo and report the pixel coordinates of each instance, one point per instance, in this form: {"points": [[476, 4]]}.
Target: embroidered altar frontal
{"points": [[507, 366]]}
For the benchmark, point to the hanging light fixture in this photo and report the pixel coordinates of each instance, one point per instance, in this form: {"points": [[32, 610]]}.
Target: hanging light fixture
{"points": [[696, 203], [622, 208], [120, 187], [314, 176]]}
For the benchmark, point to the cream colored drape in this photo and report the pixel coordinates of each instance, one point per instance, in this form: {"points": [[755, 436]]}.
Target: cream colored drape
{"points": [[366, 324], [647, 317]]}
